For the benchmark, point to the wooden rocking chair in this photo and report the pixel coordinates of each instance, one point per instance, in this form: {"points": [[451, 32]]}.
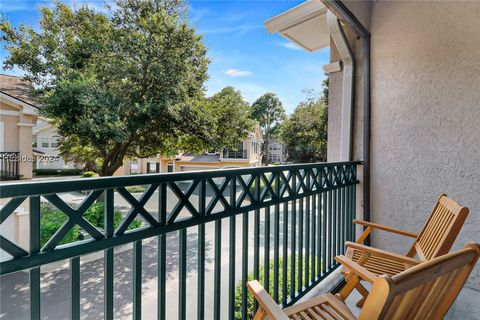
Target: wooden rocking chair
{"points": [[435, 239], [425, 291]]}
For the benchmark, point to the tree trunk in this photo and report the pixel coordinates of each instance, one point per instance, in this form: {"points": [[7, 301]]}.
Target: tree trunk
{"points": [[266, 147]]}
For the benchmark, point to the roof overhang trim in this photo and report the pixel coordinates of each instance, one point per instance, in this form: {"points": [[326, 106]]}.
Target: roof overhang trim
{"points": [[305, 25], [25, 107]]}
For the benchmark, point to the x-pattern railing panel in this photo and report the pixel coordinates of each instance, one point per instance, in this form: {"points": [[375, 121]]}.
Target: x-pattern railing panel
{"points": [[218, 196], [253, 188], [245, 190], [75, 217], [285, 188], [137, 208], [267, 189]]}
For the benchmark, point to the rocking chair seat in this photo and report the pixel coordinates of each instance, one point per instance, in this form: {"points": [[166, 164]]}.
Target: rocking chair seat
{"points": [[378, 261], [377, 265]]}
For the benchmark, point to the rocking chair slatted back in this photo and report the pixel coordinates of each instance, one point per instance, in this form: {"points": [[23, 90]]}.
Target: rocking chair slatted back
{"points": [[425, 291], [441, 229]]}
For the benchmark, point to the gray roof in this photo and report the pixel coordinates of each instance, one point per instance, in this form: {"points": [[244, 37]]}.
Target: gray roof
{"points": [[18, 88], [200, 158]]}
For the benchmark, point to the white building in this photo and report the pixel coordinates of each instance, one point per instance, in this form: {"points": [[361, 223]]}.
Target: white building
{"points": [[276, 151], [45, 145]]}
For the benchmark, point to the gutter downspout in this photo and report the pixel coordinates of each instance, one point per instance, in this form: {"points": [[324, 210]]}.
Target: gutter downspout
{"points": [[346, 56], [343, 13]]}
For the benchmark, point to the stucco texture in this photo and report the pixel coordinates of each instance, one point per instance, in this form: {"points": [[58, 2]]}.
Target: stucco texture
{"points": [[425, 137]]}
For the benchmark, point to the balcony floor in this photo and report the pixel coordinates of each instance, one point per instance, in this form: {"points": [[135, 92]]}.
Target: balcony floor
{"points": [[466, 307]]}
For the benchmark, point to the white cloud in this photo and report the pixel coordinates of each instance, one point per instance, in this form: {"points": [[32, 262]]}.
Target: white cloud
{"points": [[237, 73], [290, 45]]}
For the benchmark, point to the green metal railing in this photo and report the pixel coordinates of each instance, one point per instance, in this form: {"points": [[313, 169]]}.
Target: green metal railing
{"points": [[301, 217]]}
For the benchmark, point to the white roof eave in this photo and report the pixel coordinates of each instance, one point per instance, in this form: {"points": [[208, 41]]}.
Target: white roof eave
{"points": [[305, 25], [25, 107]]}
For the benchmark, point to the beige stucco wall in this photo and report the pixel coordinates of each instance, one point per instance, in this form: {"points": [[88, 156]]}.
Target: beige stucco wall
{"points": [[10, 138], [425, 113], [425, 134], [17, 135]]}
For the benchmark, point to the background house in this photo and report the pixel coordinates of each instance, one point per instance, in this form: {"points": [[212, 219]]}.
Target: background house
{"points": [[45, 142], [276, 151], [247, 154], [18, 114]]}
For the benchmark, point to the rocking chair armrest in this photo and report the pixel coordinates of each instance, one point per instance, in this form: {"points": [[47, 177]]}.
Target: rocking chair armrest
{"points": [[354, 267], [382, 253], [385, 228], [265, 301]]}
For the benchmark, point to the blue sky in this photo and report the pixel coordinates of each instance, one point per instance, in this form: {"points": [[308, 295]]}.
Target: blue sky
{"points": [[242, 53]]}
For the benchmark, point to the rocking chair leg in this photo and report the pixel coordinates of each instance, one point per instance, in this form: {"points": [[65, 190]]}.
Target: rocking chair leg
{"points": [[361, 289], [351, 283], [360, 303]]}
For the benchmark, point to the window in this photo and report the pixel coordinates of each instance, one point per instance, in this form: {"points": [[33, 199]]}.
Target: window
{"points": [[254, 147], [149, 167], [45, 143], [49, 143], [170, 167]]}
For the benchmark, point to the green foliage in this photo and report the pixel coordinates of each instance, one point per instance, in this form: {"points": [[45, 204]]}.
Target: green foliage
{"points": [[116, 85], [305, 131], [136, 189], [58, 172], [51, 219], [324, 95], [95, 215], [231, 115], [73, 151], [269, 112], [262, 184], [89, 174], [250, 299]]}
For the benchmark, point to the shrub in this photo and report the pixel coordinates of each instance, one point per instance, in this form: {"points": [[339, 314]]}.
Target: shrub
{"points": [[51, 219], [89, 174], [239, 286], [58, 172], [136, 189], [95, 215]]}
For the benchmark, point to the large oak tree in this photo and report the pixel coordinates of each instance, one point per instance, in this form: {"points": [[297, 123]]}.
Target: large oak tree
{"points": [[129, 83]]}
